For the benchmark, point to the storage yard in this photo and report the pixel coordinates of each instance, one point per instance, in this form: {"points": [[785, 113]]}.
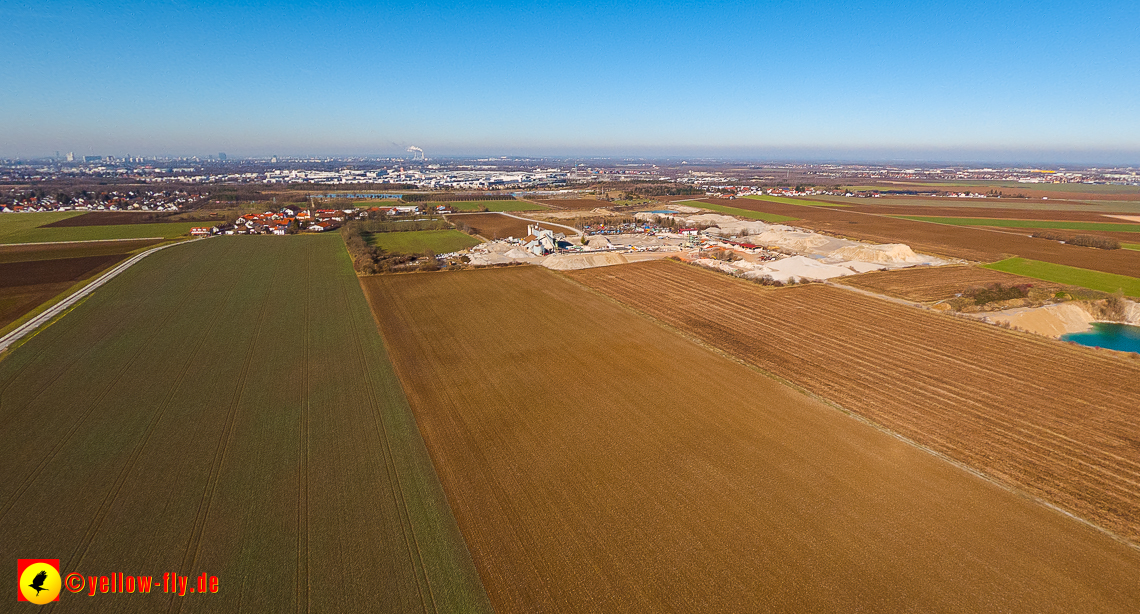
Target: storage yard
{"points": [[1054, 420], [597, 461]]}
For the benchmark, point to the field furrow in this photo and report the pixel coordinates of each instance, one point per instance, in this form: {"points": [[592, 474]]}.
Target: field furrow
{"points": [[597, 461], [1054, 420]]}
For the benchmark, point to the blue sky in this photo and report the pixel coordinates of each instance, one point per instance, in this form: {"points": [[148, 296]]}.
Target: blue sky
{"points": [[1043, 81]]}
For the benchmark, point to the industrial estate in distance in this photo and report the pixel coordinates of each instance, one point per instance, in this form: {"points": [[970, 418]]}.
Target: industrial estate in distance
{"points": [[555, 385]]}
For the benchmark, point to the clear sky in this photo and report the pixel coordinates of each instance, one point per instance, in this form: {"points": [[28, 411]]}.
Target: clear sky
{"points": [[961, 80]]}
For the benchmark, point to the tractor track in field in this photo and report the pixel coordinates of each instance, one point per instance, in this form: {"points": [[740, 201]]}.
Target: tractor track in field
{"points": [[63, 441], [128, 467], [194, 546], [411, 541], [303, 604]]}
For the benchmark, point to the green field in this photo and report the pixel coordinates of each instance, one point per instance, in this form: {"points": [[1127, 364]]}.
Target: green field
{"points": [[752, 215], [1093, 280], [420, 241], [99, 233], [17, 223], [228, 407], [496, 205], [1131, 246], [1081, 188], [1007, 223], [795, 201]]}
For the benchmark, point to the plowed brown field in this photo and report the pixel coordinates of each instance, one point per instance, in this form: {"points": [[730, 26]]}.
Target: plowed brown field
{"points": [[492, 225], [598, 462], [1056, 420], [924, 285], [970, 243], [107, 218], [575, 203], [25, 252]]}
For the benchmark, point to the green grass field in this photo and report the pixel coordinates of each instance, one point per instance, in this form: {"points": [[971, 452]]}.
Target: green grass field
{"points": [[17, 223], [1093, 280], [419, 241], [1080, 188], [1131, 246], [752, 215], [497, 205], [1006, 223], [99, 233], [795, 201], [228, 406]]}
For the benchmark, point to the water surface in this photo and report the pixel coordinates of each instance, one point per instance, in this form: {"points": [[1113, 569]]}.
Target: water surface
{"points": [[1112, 336]]}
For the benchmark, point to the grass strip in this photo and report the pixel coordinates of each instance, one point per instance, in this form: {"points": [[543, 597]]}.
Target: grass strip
{"points": [[102, 233], [752, 215], [1073, 276], [1007, 223], [794, 201], [419, 241]]}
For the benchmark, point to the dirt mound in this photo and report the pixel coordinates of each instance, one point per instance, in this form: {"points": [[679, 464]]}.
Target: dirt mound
{"points": [[574, 262], [891, 253]]}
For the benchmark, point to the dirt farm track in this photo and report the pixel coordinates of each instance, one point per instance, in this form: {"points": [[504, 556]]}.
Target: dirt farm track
{"points": [[597, 461], [1055, 420]]}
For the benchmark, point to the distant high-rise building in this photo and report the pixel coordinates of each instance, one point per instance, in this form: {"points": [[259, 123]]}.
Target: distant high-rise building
{"points": [[57, 155], [71, 156], [222, 157], [273, 160]]}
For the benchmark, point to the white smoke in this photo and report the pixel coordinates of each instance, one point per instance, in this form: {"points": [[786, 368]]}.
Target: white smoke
{"points": [[417, 153]]}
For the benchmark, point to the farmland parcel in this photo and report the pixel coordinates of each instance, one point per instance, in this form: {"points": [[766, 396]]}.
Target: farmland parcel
{"points": [[599, 462], [1054, 420], [227, 407]]}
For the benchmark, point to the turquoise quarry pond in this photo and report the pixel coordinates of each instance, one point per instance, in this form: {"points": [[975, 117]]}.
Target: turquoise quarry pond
{"points": [[1112, 336]]}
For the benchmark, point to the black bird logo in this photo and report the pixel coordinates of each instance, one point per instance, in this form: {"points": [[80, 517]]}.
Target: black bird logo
{"points": [[38, 582]]}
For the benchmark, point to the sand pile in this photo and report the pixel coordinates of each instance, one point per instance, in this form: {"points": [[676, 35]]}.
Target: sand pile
{"points": [[598, 242], [789, 239], [799, 268], [891, 253], [1051, 321], [518, 253], [573, 262]]}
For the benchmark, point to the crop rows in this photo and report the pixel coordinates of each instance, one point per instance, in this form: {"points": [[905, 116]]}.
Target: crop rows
{"points": [[227, 407], [599, 462], [1055, 420]]}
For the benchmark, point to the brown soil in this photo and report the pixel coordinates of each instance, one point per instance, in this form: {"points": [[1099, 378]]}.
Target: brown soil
{"points": [[1053, 419], [24, 252], [969, 243], [924, 285], [1004, 214], [15, 301], [575, 203], [53, 271], [598, 462], [492, 225]]}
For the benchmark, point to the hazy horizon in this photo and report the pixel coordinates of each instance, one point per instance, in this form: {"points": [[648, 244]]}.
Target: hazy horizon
{"points": [[997, 82]]}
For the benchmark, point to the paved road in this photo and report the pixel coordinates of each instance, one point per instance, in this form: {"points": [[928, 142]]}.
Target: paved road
{"points": [[27, 327]]}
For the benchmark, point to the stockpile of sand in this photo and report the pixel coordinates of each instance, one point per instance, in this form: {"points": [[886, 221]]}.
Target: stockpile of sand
{"points": [[891, 253], [573, 262], [598, 242], [789, 239], [799, 268], [1051, 321], [517, 253]]}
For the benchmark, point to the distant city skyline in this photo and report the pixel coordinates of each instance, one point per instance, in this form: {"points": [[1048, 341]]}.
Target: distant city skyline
{"points": [[1000, 81]]}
